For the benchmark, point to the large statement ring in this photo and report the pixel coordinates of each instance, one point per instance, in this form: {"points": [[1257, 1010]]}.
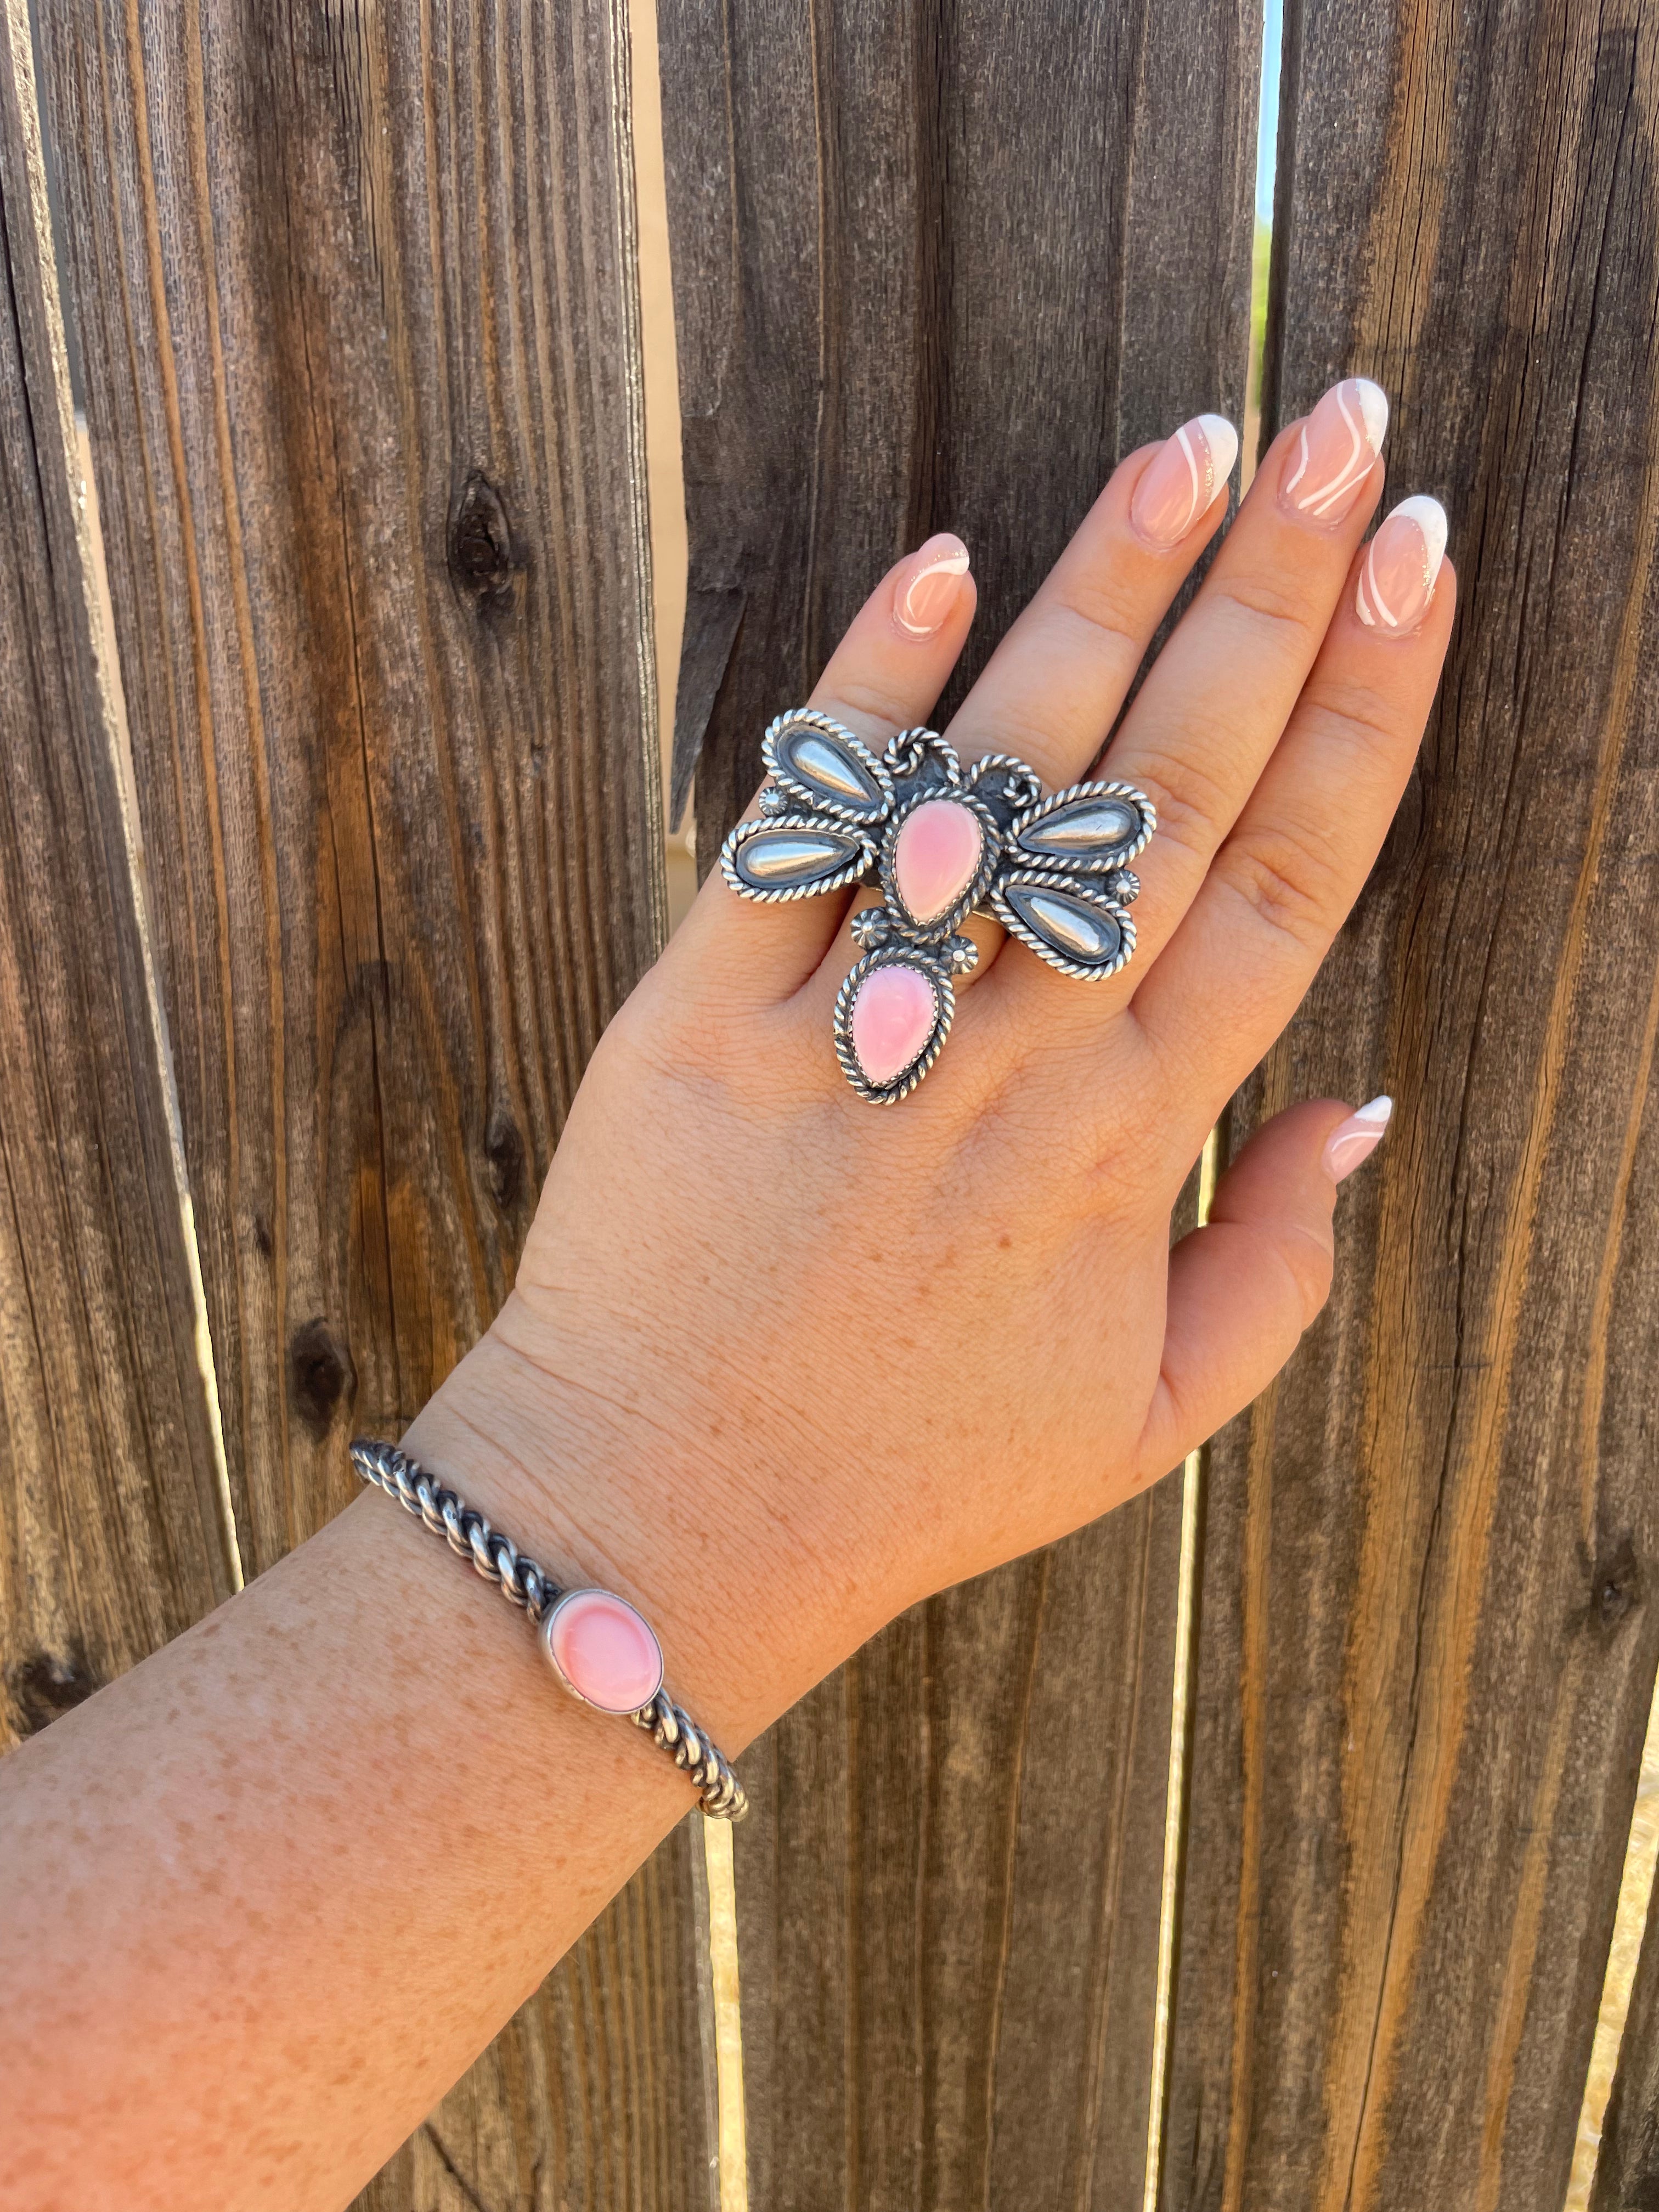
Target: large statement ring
{"points": [[939, 843]]}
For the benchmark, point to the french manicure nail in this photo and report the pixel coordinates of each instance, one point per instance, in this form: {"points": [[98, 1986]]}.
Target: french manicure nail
{"points": [[1351, 1143], [923, 598], [1326, 468], [1402, 562], [1183, 477]]}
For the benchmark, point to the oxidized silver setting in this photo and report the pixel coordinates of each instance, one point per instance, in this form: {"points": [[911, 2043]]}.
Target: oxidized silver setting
{"points": [[1054, 872]]}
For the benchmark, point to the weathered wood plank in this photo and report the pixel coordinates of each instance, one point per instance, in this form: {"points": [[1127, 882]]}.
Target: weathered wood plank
{"points": [[357, 300], [113, 1533], [915, 288], [1428, 1642]]}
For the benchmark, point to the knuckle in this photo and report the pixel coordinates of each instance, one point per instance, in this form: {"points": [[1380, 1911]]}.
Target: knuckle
{"points": [[1350, 712], [1269, 602], [1091, 609], [1193, 806], [869, 710], [1310, 1261], [1285, 879]]}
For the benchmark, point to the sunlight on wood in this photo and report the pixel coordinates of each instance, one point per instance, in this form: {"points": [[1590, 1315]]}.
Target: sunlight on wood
{"points": [[728, 2026], [1630, 1924], [665, 477], [102, 617], [1175, 1802]]}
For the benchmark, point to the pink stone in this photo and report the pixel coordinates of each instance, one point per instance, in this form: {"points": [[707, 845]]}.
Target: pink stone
{"points": [[935, 856], [604, 1651], [893, 1017]]}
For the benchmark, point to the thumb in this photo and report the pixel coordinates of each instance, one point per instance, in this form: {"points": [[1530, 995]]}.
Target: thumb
{"points": [[1243, 1287]]}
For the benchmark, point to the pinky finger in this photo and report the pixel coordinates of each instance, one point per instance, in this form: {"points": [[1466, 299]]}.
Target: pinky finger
{"points": [[1243, 1288]]}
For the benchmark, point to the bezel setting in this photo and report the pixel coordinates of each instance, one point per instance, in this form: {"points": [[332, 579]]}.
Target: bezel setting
{"points": [[567, 1600], [1072, 887], [979, 884], [855, 869], [1117, 854], [945, 1005]]}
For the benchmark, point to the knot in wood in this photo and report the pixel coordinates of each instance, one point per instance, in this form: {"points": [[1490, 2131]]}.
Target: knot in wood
{"points": [[46, 1685], [1616, 1588], [321, 1375], [505, 1158], [484, 556]]}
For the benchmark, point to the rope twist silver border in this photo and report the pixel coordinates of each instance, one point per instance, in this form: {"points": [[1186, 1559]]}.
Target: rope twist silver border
{"points": [[523, 1583]]}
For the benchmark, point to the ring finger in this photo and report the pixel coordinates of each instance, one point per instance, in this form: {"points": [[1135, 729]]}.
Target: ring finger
{"points": [[1215, 703]]}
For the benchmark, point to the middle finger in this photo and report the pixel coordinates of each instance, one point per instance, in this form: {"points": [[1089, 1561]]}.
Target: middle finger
{"points": [[1215, 702]]}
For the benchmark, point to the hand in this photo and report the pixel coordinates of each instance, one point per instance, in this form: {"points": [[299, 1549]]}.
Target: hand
{"points": [[778, 1363], [856, 1354]]}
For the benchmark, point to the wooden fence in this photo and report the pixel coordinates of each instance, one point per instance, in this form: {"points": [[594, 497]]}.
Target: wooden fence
{"points": [[355, 296]]}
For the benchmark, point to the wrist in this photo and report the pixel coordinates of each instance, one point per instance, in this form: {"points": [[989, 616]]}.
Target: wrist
{"points": [[601, 1489]]}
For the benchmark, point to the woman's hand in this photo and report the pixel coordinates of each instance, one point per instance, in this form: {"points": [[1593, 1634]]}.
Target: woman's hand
{"points": [[851, 1354], [778, 1363]]}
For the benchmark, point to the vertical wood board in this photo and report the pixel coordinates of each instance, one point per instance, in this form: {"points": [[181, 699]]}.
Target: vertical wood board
{"points": [[113, 1531], [357, 300], [1427, 1641], [939, 267]]}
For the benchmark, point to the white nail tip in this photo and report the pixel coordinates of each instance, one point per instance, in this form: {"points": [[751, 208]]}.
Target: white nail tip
{"points": [[1373, 411], [1377, 1113], [1222, 440], [1430, 519]]}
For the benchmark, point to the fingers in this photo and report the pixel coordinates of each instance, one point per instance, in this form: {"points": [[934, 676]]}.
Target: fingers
{"points": [[1057, 681], [1282, 885], [1214, 705], [1243, 1288], [1055, 684], [884, 677]]}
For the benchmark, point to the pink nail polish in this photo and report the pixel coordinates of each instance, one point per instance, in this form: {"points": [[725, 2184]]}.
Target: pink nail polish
{"points": [[1351, 1143], [1326, 468], [923, 598], [1402, 562], [1183, 477]]}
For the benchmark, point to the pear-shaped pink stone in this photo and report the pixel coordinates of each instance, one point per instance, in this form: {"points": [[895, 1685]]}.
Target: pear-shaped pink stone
{"points": [[605, 1652], [893, 1017], [935, 856]]}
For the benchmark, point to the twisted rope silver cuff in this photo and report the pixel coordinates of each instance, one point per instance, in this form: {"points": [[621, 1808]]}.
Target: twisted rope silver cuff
{"points": [[534, 1592]]}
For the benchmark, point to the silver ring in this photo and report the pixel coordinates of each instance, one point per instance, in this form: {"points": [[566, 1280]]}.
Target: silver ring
{"points": [[1054, 872]]}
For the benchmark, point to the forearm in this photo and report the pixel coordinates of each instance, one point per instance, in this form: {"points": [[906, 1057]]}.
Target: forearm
{"points": [[273, 1890]]}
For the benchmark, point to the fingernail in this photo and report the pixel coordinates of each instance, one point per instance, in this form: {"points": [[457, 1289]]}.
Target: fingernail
{"points": [[922, 599], [1402, 562], [1351, 1143], [1326, 468], [1183, 477]]}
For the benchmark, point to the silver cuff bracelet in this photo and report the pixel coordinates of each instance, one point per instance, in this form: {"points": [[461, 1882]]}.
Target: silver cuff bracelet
{"points": [[604, 1651]]}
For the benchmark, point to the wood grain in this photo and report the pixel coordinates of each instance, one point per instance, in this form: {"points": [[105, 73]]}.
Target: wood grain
{"points": [[113, 1531], [357, 300], [917, 289], [920, 286], [1428, 1641]]}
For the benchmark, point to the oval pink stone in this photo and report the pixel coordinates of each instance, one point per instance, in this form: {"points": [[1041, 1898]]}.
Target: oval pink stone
{"points": [[935, 856], [893, 1017], [604, 1651]]}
